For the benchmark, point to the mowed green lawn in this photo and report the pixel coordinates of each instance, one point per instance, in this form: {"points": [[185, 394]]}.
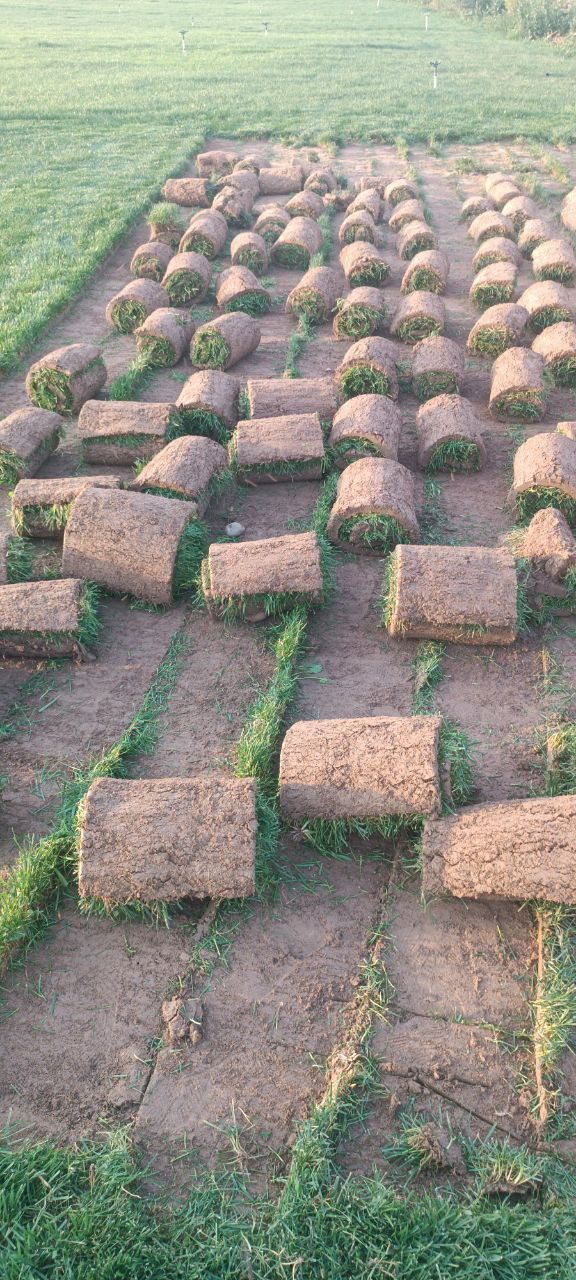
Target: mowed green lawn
{"points": [[98, 105]]}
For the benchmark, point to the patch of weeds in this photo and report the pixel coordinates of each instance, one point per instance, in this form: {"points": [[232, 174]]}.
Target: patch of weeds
{"points": [[428, 671], [129, 384], [456, 765], [332, 837], [296, 345]]}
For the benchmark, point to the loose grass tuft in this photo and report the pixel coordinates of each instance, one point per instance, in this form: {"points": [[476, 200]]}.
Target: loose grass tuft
{"points": [[53, 517], [455, 455], [456, 765], [428, 671], [18, 560], [89, 620]]}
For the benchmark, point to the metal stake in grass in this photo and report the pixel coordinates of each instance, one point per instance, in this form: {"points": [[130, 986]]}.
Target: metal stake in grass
{"points": [[435, 64], [265, 25]]}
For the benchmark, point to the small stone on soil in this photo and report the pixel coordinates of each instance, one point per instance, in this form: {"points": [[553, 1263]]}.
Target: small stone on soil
{"points": [[235, 529]]}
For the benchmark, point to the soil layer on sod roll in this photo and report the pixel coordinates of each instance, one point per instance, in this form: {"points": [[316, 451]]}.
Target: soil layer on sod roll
{"points": [[368, 488], [568, 211], [186, 468], [549, 544], [427, 270], [360, 314], [208, 404], [274, 397], [255, 580], [266, 450], [544, 475], [449, 435], [305, 204], [165, 839], [129, 308], [475, 205], [151, 259], [365, 426], [368, 367], [164, 336], [467, 595], [486, 225], [249, 249], [43, 619], [27, 437], [166, 222], [358, 226], [297, 244], [187, 278], [418, 315], [409, 211], [373, 182], [363, 264], [493, 284], [498, 249], [224, 341], [554, 260], [189, 192], [517, 386], [277, 181], [206, 234], [534, 232], [240, 180], [238, 289], [62, 380], [400, 190], [252, 162], [502, 192], [212, 164], [373, 767], [369, 201], [119, 432], [40, 508], [414, 238], [271, 222], [547, 302], [316, 294], [567, 429], [235, 204], [437, 367], [475, 853], [519, 209], [557, 346], [500, 326]]}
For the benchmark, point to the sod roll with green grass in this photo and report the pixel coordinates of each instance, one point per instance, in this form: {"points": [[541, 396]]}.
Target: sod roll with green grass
{"points": [[191, 468], [554, 260], [278, 180], [534, 232], [568, 211], [118, 432], [489, 224], [414, 238], [474, 206], [493, 179], [238, 289], [494, 284], [360, 314], [502, 192], [191, 193], [465, 595], [249, 249], [208, 404], [427, 270], [550, 547], [517, 389], [240, 180], [519, 210], [129, 308], [407, 211], [271, 222], [367, 426], [274, 397], [316, 294], [374, 507], [368, 367], [297, 244], [224, 341], [400, 190], [250, 161], [165, 336], [545, 476], [266, 450], [235, 205], [62, 380], [499, 327], [418, 315], [370, 202], [27, 438], [321, 181], [437, 367], [364, 264], [547, 302], [187, 278], [358, 226], [151, 259], [214, 163], [449, 435], [40, 508], [55, 619], [497, 249], [167, 223], [252, 581], [557, 346], [206, 234], [305, 204]]}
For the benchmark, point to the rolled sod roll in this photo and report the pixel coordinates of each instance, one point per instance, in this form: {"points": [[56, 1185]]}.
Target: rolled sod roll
{"points": [[27, 438], [363, 264], [238, 289], [305, 204], [567, 429], [502, 192], [399, 190], [66, 377], [165, 839], [251, 161], [467, 595], [151, 259], [517, 388], [374, 507], [414, 238], [249, 249], [373, 182], [493, 284], [371, 767], [545, 475], [475, 205], [370, 201], [188, 468], [54, 619], [358, 226], [519, 209], [534, 232], [361, 313], [518, 849], [409, 211], [297, 243], [166, 223], [187, 278], [165, 336], [557, 346], [189, 192], [549, 544], [256, 580], [486, 225], [498, 249], [240, 180], [265, 450], [208, 404], [368, 368], [134, 544], [418, 315], [366, 426], [40, 508], [321, 181], [235, 205], [214, 163], [500, 327], [276, 181], [493, 178], [449, 435], [437, 368], [224, 341], [547, 302], [138, 299], [271, 222], [274, 397], [554, 260], [568, 211], [206, 234], [337, 200], [427, 270], [316, 294], [119, 432]]}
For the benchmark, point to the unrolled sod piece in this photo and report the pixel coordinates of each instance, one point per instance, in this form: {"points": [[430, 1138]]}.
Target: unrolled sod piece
{"points": [[368, 367], [399, 190], [274, 397], [486, 225], [374, 507], [418, 315], [238, 289], [372, 767], [277, 181], [27, 437], [297, 244], [449, 435], [534, 232], [557, 346], [119, 432], [363, 427], [519, 209], [414, 238], [547, 302], [188, 468], [305, 204], [265, 450], [545, 476], [517, 388], [224, 341], [40, 508], [363, 264], [208, 404], [494, 284], [518, 849], [271, 222], [554, 260], [133, 544], [151, 259], [467, 595], [256, 580], [316, 294], [190, 192], [475, 205], [408, 211], [214, 163], [187, 278], [358, 226], [427, 270], [54, 619], [165, 839], [500, 327], [361, 313], [437, 367], [368, 200], [206, 234], [138, 299], [165, 336], [66, 377], [497, 249], [248, 249]]}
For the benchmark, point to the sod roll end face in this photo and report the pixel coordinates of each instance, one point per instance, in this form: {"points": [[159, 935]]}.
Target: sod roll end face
{"points": [[316, 294], [54, 619], [408, 211], [547, 302], [252, 581], [363, 264], [465, 595], [151, 259], [249, 249], [557, 346], [208, 404], [554, 260], [500, 326], [400, 190], [374, 507], [360, 314], [427, 270], [62, 380], [449, 435], [365, 426], [486, 225], [517, 390], [165, 336], [305, 204], [238, 289], [297, 244], [413, 238], [493, 284], [418, 315], [545, 475], [437, 368], [224, 341], [27, 438], [206, 234], [475, 205], [128, 308], [368, 367], [519, 209], [534, 232], [187, 278]]}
